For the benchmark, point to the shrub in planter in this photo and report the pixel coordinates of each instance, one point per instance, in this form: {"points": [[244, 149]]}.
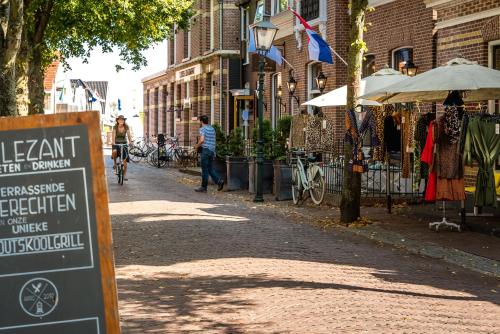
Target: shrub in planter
{"points": [[268, 173], [282, 185], [221, 150], [236, 162]]}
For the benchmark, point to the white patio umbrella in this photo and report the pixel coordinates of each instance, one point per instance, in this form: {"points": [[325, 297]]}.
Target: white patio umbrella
{"points": [[338, 97], [478, 83]]}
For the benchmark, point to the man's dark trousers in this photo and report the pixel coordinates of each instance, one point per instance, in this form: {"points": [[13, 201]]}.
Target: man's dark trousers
{"points": [[207, 169]]}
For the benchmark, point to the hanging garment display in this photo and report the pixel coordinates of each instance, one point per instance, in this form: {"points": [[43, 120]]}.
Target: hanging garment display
{"points": [[379, 151], [407, 145], [351, 125], [368, 128], [428, 158], [450, 189], [452, 124], [482, 143], [392, 132], [313, 134], [328, 135], [297, 134], [449, 159]]}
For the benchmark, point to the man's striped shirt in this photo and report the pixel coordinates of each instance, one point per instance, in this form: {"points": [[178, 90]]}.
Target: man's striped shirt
{"points": [[208, 132]]}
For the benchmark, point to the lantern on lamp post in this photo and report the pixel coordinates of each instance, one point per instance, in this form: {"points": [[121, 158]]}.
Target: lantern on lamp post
{"points": [[321, 80], [409, 69]]}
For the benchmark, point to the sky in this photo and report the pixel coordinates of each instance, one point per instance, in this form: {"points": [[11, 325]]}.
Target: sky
{"points": [[124, 85]]}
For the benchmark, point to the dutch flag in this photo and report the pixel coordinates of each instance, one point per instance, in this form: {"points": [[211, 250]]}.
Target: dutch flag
{"points": [[319, 49]]}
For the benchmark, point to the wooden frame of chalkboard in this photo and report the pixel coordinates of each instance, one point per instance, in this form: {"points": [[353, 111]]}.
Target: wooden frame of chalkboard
{"points": [[99, 195]]}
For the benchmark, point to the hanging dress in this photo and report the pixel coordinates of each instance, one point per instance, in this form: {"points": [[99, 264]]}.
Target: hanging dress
{"points": [[428, 158]]}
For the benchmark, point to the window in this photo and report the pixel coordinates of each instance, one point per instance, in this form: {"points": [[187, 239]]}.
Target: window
{"points": [[496, 65], [245, 18], [278, 6], [212, 25], [212, 98], [259, 11], [368, 65], [309, 9], [400, 57], [312, 86], [187, 44], [276, 100]]}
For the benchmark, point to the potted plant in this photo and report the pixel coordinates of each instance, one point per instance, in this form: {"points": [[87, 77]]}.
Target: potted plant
{"points": [[221, 152], [268, 173], [236, 162], [282, 186]]}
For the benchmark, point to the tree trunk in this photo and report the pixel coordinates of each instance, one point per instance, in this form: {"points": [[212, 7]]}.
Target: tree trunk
{"points": [[22, 63], [35, 83], [11, 24], [37, 66], [350, 206]]}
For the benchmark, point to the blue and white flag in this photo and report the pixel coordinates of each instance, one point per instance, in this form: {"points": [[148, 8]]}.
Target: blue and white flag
{"points": [[319, 49], [273, 54]]}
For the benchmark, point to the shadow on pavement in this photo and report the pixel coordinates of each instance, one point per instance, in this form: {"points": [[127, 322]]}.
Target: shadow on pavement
{"points": [[179, 254]]}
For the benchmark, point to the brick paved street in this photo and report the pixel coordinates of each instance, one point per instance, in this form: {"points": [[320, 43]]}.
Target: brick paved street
{"points": [[195, 263]]}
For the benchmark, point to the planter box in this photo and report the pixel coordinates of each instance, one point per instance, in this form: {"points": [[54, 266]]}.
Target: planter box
{"points": [[220, 168], [267, 177], [237, 173], [282, 181]]}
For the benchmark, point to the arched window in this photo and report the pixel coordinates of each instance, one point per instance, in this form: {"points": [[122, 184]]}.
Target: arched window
{"points": [[401, 56]]}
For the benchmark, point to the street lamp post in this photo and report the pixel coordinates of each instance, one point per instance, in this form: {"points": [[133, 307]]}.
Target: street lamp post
{"points": [[264, 33]]}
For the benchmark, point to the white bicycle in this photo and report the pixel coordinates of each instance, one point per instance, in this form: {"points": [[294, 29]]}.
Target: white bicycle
{"points": [[308, 177]]}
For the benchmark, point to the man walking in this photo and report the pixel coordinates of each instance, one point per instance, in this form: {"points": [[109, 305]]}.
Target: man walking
{"points": [[207, 144]]}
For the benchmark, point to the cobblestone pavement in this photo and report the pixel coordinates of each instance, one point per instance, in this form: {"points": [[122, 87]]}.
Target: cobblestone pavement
{"points": [[198, 263]]}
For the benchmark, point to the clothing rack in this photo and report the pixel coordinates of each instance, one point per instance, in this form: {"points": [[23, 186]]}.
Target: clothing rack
{"points": [[445, 222]]}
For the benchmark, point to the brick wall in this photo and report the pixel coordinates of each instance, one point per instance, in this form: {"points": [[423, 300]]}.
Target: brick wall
{"points": [[468, 40], [169, 114], [392, 28], [458, 8]]}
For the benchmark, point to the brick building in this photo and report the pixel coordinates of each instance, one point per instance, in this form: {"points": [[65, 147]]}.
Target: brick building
{"points": [[203, 67], [426, 32]]}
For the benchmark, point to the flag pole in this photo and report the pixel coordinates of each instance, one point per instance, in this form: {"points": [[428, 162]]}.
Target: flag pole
{"points": [[286, 61], [338, 56]]}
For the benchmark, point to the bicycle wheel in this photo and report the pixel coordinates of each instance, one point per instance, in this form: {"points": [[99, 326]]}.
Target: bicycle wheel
{"points": [[162, 161], [119, 173], [135, 154], [318, 188], [152, 158], [296, 187]]}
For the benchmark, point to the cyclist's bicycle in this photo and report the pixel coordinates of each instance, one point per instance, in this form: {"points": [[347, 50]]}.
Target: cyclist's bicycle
{"points": [[119, 163], [308, 177]]}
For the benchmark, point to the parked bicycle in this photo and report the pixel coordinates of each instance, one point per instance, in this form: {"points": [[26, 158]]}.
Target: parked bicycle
{"points": [[308, 177], [119, 163], [141, 149]]}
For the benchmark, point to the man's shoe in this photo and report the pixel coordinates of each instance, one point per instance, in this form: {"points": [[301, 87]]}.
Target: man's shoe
{"points": [[220, 186], [201, 190]]}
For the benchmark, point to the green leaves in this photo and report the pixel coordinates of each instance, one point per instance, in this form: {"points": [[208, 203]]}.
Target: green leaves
{"points": [[78, 26]]}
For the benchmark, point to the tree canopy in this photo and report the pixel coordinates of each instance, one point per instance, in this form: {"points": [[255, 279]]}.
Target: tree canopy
{"points": [[78, 26]]}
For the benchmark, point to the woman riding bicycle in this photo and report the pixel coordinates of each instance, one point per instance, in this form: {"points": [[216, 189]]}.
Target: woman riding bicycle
{"points": [[121, 132]]}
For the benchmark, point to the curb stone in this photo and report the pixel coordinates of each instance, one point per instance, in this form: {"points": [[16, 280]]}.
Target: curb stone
{"points": [[454, 256]]}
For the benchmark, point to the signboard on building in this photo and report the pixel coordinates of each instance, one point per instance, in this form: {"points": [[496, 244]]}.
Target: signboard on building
{"points": [[186, 73], [56, 264]]}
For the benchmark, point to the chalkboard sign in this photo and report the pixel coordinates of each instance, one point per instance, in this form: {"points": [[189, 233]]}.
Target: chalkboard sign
{"points": [[56, 255]]}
